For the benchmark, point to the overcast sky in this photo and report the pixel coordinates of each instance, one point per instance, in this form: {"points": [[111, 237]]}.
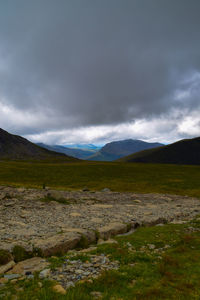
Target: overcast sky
{"points": [[93, 71]]}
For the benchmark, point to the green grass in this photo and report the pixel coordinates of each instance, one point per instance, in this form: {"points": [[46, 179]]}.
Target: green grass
{"points": [[56, 262], [126, 177], [5, 257], [169, 271], [59, 200]]}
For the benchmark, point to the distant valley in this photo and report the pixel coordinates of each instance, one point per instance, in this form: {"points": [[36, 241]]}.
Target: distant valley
{"points": [[74, 152], [187, 151], [109, 152]]}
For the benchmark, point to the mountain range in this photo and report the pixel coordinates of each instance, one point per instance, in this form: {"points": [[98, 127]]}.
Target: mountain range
{"points": [[118, 149], [16, 147], [185, 152]]}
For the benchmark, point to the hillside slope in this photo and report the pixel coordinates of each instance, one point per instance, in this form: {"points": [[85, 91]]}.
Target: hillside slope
{"points": [[117, 149], [17, 147], [182, 152]]}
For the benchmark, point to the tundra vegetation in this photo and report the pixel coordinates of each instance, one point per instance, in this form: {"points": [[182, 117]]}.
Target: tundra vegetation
{"points": [[121, 177]]}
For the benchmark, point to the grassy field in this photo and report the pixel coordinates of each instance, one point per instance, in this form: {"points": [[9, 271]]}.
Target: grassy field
{"points": [[127, 177], [160, 262]]}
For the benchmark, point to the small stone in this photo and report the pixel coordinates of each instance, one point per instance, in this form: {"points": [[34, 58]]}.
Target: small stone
{"points": [[132, 265], [57, 195], [11, 276], [105, 190], [86, 273], [110, 241], [151, 246], [59, 289], [70, 284], [79, 271], [45, 273], [13, 281], [75, 214], [96, 295], [137, 201], [3, 280], [8, 266]]}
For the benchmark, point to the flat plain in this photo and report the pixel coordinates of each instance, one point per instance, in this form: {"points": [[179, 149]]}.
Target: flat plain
{"points": [[121, 177]]}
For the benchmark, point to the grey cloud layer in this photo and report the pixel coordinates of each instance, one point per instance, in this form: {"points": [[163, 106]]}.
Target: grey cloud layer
{"points": [[98, 62]]}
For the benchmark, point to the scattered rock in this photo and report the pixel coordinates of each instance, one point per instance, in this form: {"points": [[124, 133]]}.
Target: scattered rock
{"points": [[137, 201], [106, 190], [111, 230], [151, 246], [58, 243], [96, 295], [59, 289], [8, 266], [3, 280], [30, 276], [73, 271], [110, 241], [11, 276], [55, 227], [75, 215], [57, 195], [30, 266], [45, 273]]}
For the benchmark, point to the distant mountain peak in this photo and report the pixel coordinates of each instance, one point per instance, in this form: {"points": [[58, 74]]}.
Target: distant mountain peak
{"points": [[185, 151], [117, 149]]}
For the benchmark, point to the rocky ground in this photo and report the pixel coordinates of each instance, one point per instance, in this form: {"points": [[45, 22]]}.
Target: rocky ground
{"points": [[69, 271], [57, 221], [28, 218]]}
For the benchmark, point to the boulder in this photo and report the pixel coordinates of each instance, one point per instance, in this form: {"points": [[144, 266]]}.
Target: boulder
{"points": [[112, 229], [29, 265], [59, 289], [7, 267], [56, 195], [59, 243]]}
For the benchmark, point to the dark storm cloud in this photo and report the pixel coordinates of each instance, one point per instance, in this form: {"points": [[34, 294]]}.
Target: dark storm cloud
{"points": [[98, 62]]}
